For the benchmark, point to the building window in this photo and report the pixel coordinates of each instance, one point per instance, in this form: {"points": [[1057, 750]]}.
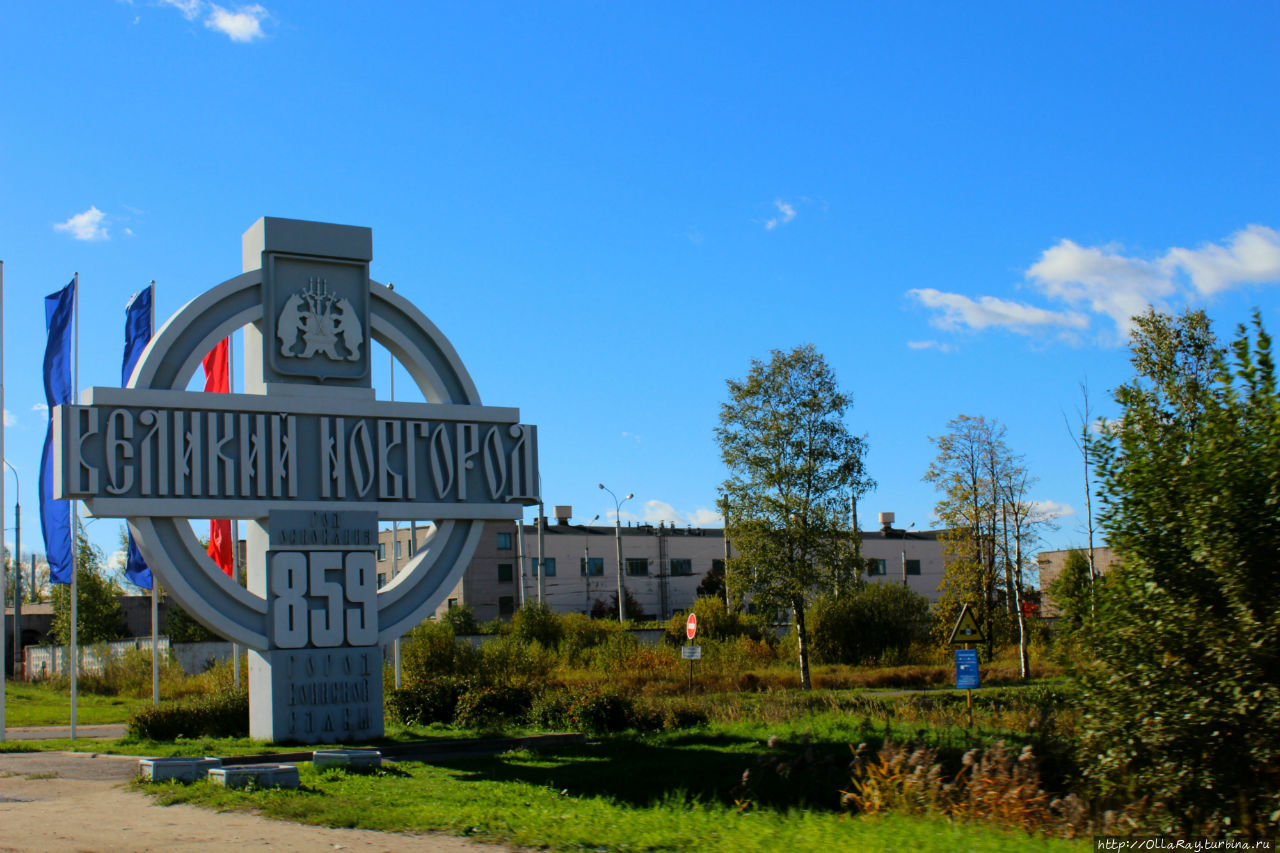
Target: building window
{"points": [[453, 604], [913, 567], [506, 605], [551, 567], [877, 567], [382, 550], [382, 580], [504, 573], [637, 566], [397, 549], [504, 541], [681, 567], [591, 566]]}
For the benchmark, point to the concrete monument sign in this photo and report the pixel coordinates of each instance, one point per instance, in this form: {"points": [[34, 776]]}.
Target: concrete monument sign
{"points": [[312, 462]]}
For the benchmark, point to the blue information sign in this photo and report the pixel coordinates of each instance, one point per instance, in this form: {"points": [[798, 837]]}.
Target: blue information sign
{"points": [[966, 669]]}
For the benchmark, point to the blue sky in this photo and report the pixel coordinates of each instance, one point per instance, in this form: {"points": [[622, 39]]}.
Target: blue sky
{"points": [[610, 208]]}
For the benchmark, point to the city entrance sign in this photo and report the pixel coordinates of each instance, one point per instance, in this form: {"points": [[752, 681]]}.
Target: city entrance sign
{"points": [[311, 461]]}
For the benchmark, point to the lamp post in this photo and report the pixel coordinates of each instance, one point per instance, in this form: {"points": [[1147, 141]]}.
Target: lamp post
{"points": [[617, 535], [17, 570], [586, 558]]}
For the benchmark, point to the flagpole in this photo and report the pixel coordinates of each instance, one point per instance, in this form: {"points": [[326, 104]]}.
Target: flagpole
{"points": [[235, 523], [75, 515], [17, 563], [395, 525], [155, 587]]}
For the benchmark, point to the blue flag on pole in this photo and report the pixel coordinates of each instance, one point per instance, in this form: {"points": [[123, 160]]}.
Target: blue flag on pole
{"points": [[137, 332], [55, 516]]}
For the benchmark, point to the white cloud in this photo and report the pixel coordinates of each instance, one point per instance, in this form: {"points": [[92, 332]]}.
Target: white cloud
{"points": [[1102, 279], [632, 436], [1051, 510], [85, 226], [244, 24], [786, 213], [190, 9], [984, 312], [1251, 255], [117, 560], [40, 407], [938, 345], [10, 419], [661, 511]]}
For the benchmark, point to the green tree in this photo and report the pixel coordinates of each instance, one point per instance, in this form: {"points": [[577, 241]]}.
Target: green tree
{"points": [[972, 461], [876, 623], [1183, 695], [793, 467], [100, 616], [1072, 591]]}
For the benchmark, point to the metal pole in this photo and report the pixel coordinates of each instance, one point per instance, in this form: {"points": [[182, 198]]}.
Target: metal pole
{"points": [[520, 557], [395, 525], [235, 522], [17, 534], [155, 587], [542, 561], [18, 564], [75, 518], [617, 532]]}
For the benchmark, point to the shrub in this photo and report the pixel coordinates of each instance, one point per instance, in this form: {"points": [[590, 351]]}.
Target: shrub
{"points": [[598, 711], [431, 701], [481, 707], [550, 710], [223, 714], [537, 623], [431, 650], [507, 660], [717, 622], [876, 623], [461, 620], [581, 633]]}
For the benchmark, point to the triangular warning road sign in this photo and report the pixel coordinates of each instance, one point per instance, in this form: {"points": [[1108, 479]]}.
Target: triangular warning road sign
{"points": [[966, 629]]}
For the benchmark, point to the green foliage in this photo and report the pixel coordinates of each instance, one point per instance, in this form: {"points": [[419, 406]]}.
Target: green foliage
{"points": [[462, 620], [181, 627], [99, 612], [493, 705], [537, 623], [717, 622], [221, 714], [1184, 696], [508, 660], [793, 467], [874, 624], [581, 634], [1073, 592], [433, 700], [431, 650], [597, 711]]}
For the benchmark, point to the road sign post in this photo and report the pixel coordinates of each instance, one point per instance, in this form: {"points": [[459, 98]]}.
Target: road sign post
{"points": [[966, 633]]}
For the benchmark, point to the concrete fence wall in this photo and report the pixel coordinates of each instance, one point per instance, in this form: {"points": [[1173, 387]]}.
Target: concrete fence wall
{"points": [[51, 661]]}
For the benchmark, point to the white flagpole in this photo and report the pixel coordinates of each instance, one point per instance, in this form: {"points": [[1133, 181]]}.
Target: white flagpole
{"points": [[235, 523], [155, 586], [395, 525], [17, 563], [75, 516]]}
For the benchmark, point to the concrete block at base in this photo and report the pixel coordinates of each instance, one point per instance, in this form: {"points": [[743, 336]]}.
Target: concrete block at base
{"points": [[356, 760], [261, 775], [180, 769]]}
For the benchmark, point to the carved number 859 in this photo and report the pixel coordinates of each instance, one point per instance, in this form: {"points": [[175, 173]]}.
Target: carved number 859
{"points": [[294, 583]]}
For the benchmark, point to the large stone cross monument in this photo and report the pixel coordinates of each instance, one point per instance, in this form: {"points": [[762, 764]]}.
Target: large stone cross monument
{"points": [[311, 461]]}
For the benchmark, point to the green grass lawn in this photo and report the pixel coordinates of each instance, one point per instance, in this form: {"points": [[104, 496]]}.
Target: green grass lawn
{"points": [[570, 801], [35, 704]]}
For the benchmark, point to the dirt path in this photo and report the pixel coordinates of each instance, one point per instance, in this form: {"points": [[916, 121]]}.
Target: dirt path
{"points": [[59, 801]]}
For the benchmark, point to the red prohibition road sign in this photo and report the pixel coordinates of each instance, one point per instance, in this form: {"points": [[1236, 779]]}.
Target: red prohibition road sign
{"points": [[691, 626]]}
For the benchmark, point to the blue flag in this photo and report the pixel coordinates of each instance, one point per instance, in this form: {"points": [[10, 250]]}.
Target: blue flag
{"points": [[55, 516], [137, 332]]}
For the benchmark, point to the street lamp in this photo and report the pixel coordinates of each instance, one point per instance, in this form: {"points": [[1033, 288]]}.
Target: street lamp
{"points": [[617, 532], [17, 568], [586, 559]]}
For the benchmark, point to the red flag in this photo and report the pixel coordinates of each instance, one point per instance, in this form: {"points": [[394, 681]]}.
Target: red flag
{"points": [[217, 379]]}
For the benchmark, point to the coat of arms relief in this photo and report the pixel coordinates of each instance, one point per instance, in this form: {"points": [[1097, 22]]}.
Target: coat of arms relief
{"points": [[324, 322]]}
